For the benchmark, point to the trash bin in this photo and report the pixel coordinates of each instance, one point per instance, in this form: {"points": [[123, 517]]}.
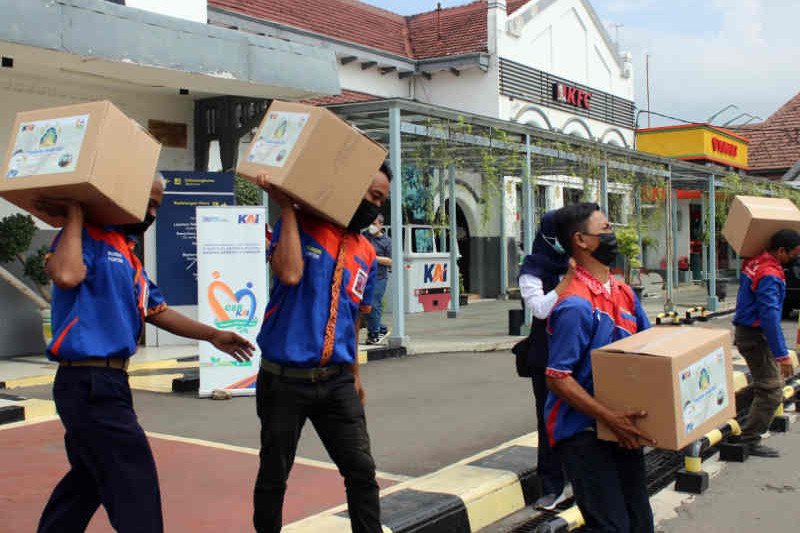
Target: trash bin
{"points": [[516, 317]]}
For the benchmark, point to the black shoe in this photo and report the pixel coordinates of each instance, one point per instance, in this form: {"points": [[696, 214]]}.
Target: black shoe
{"points": [[759, 450]]}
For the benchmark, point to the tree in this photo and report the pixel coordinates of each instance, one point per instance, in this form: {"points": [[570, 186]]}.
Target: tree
{"points": [[16, 235]]}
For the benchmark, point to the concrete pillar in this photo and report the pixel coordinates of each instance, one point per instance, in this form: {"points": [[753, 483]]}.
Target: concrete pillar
{"points": [[398, 337]]}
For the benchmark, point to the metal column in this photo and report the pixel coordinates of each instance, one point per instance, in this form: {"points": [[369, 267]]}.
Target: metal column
{"points": [[604, 188], [637, 201], [398, 337], [668, 305], [527, 209], [503, 242], [438, 176], [454, 274], [675, 270], [713, 302], [704, 218]]}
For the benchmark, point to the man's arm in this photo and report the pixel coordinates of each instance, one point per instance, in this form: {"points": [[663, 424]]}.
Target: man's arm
{"points": [[65, 265], [226, 341], [769, 298], [356, 372], [384, 261], [287, 255]]}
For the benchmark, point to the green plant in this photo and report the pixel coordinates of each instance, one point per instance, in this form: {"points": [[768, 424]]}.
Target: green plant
{"points": [[16, 236], [246, 192], [628, 243]]}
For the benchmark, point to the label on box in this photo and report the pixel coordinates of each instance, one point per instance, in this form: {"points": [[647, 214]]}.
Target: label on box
{"points": [[277, 138], [704, 389], [50, 146]]}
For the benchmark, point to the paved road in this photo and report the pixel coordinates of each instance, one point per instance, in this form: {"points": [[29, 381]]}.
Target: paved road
{"points": [[423, 412]]}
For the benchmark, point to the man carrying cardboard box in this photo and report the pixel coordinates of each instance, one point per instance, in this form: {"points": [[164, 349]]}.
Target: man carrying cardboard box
{"points": [[759, 337], [608, 478], [324, 276], [101, 299]]}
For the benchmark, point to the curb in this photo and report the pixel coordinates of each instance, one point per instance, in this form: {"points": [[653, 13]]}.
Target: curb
{"points": [[466, 496], [18, 409]]}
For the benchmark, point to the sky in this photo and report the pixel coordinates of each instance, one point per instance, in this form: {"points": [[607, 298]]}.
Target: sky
{"points": [[704, 54]]}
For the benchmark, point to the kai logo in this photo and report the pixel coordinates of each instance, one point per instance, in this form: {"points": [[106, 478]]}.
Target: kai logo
{"points": [[435, 273], [249, 219], [232, 310]]}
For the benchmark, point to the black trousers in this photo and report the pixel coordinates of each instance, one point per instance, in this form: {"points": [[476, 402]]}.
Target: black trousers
{"points": [[283, 405], [548, 465], [609, 483], [110, 458]]}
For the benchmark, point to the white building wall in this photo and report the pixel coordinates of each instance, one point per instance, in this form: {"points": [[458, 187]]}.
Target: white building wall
{"points": [[353, 77], [473, 91]]}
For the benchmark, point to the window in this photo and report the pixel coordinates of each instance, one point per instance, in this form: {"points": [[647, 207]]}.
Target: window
{"points": [[616, 213], [422, 242], [572, 196], [541, 200]]}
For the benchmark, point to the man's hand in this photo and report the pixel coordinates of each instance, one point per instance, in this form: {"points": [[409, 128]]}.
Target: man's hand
{"points": [[360, 389], [63, 208], [787, 369], [263, 181], [623, 424], [232, 344]]}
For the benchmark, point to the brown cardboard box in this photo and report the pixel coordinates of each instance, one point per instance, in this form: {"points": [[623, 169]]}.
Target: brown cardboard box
{"points": [[682, 377], [752, 220], [90, 152], [315, 157]]}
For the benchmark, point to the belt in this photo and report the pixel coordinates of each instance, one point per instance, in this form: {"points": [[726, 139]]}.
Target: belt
{"points": [[306, 374], [120, 363]]}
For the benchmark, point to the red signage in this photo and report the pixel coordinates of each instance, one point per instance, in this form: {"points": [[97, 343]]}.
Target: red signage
{"points": [[723, 147], [572, 95]]}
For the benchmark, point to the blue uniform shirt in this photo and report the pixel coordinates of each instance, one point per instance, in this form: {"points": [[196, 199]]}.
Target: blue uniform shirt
{"points": [[383, 248], [103, 316], [585, 318], [759, 303], [294, 322]]}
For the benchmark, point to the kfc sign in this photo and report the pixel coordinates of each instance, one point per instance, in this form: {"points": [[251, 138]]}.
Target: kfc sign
{"points": [[572, 96], [723, 147]]}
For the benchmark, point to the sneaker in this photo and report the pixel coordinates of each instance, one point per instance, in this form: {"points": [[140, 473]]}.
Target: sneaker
{"points": [[384, 330], [373, 339], [759, 450], [549, 502]]}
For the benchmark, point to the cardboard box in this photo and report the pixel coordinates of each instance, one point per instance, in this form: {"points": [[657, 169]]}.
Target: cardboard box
{"points": [[315, 157], [753, 220], [682, 377], [90, 152]]}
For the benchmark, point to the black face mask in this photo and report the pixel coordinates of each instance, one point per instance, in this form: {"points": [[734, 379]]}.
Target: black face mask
{"points": [[139, 227], [365, 215], [606, 251]]}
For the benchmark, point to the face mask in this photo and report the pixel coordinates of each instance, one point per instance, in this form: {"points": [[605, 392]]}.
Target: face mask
{"points": [[366, 213], [555, 245], [606, 250], [139, 227], [373, 229]]}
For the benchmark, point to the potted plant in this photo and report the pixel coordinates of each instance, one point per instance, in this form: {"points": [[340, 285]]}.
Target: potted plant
{"points": [[16, 235], [628, 244]]}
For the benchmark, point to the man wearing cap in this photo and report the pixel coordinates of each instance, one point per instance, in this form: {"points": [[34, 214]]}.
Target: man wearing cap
{"points": [[324, 277], [101, 298]]}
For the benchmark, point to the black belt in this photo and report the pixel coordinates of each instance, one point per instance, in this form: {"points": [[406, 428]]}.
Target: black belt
{"points": [[102, 362], [306, 374]]}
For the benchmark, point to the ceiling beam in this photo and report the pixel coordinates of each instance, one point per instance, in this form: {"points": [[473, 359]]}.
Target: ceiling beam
{"points": [[368, 64], [347, 59]]}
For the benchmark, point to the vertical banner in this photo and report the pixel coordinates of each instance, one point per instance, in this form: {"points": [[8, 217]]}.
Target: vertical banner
{"points": [[232, 290]]}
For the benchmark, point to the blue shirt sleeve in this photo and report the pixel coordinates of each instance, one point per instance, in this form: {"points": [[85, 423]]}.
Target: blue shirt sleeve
{"points": [[570, 329], [87, 249], [769, 301], [155, 298]]}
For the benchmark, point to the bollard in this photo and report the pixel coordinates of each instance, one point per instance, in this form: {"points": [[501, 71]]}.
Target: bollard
{"points": [[563, 522], [691, 478], [780, 424]]}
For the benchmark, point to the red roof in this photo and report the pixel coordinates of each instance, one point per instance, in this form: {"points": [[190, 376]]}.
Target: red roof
{"points": [[437, 33], [345, 97], [775, 143]]}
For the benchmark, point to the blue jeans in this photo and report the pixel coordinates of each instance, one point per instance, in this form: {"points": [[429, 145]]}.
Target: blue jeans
{"points": [[374, 317]]}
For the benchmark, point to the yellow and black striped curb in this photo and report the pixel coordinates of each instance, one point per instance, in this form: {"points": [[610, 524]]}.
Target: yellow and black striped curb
{"points": [[18, 409], [465, 496]]}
